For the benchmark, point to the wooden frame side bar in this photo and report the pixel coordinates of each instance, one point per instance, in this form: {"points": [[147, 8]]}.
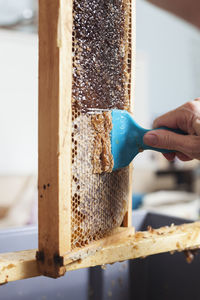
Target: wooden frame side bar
{"points": [[127, 222], [54, 183]]}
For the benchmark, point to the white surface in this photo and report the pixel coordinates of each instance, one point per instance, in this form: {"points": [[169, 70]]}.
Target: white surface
{"points": [[18, 103], [22, 210], [172, 49], [168, 197], [188, 211], [173, 203], [141, 110], [11, 10], [141, 105]]}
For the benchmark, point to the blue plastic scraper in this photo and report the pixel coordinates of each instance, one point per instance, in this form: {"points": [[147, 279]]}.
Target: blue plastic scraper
{"points": [[127, 139]]}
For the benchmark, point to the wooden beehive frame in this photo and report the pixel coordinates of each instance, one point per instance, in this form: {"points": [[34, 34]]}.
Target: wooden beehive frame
{"points": [[55, 94], [122, 245], [54, 256]]}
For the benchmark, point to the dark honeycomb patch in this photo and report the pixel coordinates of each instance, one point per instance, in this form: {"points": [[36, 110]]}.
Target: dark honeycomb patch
{"points": [[101, 66]]}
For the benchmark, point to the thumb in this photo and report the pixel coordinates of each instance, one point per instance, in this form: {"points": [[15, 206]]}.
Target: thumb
{"points": [[163, 139], [187, 144]]}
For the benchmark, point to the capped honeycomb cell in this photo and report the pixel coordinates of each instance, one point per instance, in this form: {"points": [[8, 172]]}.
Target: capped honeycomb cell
{"points": [[101, 46]]}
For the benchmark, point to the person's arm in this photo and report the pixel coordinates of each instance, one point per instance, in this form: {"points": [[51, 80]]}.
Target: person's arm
{"points": [[186, 118]]}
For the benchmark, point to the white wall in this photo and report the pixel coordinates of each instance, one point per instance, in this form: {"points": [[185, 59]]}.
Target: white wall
{"points": [[171, 48], [18, 103]]}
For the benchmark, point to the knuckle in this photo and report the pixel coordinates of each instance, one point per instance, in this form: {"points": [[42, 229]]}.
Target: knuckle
{"points": [[166, 141], [196, 125], [193, 148], [191, 106]]}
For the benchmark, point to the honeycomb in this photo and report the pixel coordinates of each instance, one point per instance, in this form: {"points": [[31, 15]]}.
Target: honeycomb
{"points": [[101, 47]]}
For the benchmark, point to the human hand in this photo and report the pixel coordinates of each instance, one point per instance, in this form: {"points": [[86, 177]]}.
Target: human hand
{"points": [[186, 118]]}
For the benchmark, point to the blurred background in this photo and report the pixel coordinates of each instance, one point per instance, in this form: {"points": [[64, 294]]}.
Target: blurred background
{"points": [[167, 75]]}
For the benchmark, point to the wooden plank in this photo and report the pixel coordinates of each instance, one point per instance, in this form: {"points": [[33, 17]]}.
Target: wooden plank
{"points": [[95, 247], [18, 265], [127, 222], [142, 244], [121, 245], [55, 78]]}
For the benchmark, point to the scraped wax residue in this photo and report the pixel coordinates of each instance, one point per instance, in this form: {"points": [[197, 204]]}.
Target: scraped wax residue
{"points": [[102, 156]]}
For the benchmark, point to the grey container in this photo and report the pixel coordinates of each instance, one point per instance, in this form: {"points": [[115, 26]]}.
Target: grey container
{"points": [[159, 277]]}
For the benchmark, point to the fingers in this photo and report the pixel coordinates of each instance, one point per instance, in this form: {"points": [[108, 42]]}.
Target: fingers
{"points": [[183, 157], [182, 117], [169, 156], [179, 155], [169, 119], [189, 145], [187, 118], [196, 126]]}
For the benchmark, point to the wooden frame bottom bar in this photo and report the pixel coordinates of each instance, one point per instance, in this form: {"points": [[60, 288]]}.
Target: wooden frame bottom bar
{"points": [[124, 244]]}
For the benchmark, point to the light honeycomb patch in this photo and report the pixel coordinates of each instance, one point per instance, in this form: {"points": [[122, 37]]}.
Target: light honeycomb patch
{"points": [[101, 79], [99, 202]]}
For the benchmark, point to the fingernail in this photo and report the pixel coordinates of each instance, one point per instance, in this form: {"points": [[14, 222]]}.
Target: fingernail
{"points": [[150, 139]]}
